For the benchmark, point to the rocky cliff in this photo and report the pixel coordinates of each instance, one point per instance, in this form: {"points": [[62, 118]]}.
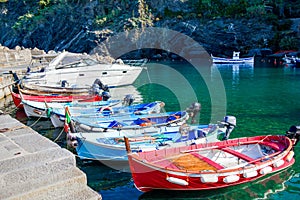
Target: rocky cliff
{"points": [[220, 26]]}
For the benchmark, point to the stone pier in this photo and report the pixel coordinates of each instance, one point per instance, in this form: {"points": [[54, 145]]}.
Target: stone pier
{"points": [[34, 167]]}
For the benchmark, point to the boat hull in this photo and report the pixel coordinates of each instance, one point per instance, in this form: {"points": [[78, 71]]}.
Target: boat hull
{"points": [[211, 166], [98, 146], [112, 75], [52, 98], [153, 180], [218, 60], [58, 114], [42, 109]]}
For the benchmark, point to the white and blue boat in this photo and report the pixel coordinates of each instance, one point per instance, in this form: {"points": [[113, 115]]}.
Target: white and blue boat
{"points": [[131, 122], [234, 60], [111, 147], [58, 114], [41, 109]]}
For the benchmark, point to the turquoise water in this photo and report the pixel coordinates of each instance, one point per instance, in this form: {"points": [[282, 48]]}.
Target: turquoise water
{"points": [[265, 100]]}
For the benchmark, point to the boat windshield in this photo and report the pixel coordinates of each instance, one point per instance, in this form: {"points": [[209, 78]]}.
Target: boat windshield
{"points": [[78, 63], [90, 62]]}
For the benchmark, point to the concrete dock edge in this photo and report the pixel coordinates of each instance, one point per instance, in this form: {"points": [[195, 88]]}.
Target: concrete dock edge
{"points": [[34, 167]]}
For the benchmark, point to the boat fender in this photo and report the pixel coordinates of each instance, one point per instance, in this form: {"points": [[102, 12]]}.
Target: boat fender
{"points": [[95, 129], [107, 108], [85, 127], [231, 179], [209, 178], [290, 156], [37, 112], [72, 144], [278, 163], [266, 170], [71, 137], [250, 174], [177, 181]]}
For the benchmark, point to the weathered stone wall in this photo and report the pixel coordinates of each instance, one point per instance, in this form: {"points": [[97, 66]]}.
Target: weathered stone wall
{"points": [[15, 60], [14, 57], [5, 82]]}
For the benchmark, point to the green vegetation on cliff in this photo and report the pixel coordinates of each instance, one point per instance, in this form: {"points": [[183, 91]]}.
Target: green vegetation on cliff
{"points": [[76, 24]]}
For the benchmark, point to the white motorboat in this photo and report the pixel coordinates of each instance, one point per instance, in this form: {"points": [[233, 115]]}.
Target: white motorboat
{"points": [[82, 70]]}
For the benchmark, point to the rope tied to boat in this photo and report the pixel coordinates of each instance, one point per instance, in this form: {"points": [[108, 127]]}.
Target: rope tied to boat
{"points": [[61, 132], [35, 122], [3, 130]]}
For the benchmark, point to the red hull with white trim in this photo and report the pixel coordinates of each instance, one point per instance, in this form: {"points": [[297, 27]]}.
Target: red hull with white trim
{"points": [[228, 163], [57, 98]]}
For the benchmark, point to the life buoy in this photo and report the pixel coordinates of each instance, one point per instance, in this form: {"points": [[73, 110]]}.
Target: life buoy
{"points": [[107, 108]]}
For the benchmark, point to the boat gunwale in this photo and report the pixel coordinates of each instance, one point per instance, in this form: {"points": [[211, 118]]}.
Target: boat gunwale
{"points": [[277, 156]]}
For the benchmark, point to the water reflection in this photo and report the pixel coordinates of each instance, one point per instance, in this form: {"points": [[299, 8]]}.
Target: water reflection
{"points": [[261, 189], [120, 92], [110, 183], [264, 100], [236, 70]]}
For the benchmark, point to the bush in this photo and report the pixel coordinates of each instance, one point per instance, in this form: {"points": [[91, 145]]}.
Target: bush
{"points": [[289, 43], [255, 11]]}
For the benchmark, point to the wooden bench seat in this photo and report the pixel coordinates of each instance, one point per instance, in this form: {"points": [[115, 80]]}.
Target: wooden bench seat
{"points": [[238, 154], [208, 161]]}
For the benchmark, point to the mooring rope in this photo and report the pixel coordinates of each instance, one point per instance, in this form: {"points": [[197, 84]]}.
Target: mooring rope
{"points": [[148, 75], [11, 111], [35, 122], [12, 129], [61, 132]]}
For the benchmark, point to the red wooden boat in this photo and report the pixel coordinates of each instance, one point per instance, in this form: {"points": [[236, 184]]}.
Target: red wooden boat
{"points": [[53, 98], [211, 165]]}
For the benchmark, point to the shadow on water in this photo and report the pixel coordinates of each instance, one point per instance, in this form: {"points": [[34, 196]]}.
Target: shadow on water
{"points": [[110, 183], [260, 189]]}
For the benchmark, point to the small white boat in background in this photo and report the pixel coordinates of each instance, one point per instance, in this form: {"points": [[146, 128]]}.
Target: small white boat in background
{"points": [[234, 60], [82, 70]]}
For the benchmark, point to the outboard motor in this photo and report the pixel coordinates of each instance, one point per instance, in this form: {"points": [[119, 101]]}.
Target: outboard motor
{"points": [[128, 100], [17, 82], [184, 130], [101, 85], [294, 134], [193, 110], [105, 88], [105, 96], [95, 89], [229, 122], [64, 83], [16, 78]]}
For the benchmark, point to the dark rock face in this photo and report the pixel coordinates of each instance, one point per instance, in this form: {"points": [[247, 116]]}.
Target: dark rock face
{"points": [[73, 26]]}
